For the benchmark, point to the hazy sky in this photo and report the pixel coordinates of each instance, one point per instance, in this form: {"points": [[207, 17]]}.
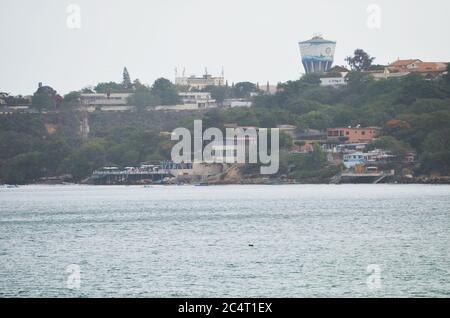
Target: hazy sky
{"points": [[254, 40]]}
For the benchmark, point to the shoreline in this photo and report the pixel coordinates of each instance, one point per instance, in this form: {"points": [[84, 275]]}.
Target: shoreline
{"points": [[420, 180]]}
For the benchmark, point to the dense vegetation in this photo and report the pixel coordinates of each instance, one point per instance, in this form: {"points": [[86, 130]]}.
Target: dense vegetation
{"points": [[28, 151], [413, 111]]}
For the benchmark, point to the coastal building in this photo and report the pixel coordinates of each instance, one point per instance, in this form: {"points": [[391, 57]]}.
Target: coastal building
{"points": [[176, 108], [267, 89], [354, 159], [110, 99], [371, 158], [338, 69], [333, 81], [335, 77], [403, 65], [190, 101], [350, 148], [109, 102], [386, 74], [432, 69], [15, 104], [199, 82], [237, 102], [317, 54], [402, 68], [352, 135], [417, 66], [304, 140], [202, 100]]}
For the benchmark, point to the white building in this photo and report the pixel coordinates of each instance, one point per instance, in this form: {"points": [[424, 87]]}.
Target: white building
{"points": [[201, 100], [113, 99], [190, 101], [200, 82], [237, 102], [179, 107], [333, 81], [373, 157]]}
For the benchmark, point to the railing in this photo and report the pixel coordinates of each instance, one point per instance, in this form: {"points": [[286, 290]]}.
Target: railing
{"points": [[126, 172]]}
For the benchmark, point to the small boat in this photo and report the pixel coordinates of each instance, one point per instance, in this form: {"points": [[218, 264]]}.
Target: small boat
{"points": [[202, 184]]}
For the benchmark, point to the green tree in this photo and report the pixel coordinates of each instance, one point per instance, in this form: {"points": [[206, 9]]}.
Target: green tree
{"points": [[90, 156], [126, 83], [23, 168], [165, 91], [244, 89], [312, 78], [360, 61], [143, 97], [42, 101], [396, 147], [219, 93], [72, 97], [109, 87]]}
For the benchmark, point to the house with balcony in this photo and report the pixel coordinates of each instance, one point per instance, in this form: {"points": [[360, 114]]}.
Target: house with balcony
{"points": [[352, 135]]}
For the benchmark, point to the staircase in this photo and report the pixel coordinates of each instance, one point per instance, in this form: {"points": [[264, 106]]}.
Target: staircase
{"points": [[336, 179], [380, 178]]}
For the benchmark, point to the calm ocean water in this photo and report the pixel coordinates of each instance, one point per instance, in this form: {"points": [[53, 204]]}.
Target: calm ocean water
{"points": [[186, 241]]}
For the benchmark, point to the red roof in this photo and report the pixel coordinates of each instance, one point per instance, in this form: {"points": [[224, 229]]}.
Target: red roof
{"points": [[400, 63]]}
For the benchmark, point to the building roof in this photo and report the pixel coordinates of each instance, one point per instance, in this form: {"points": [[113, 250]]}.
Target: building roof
{"points": [[401, 63], [431, 67], [371, 127], [338, 69], [418, 66], [317, 40]]}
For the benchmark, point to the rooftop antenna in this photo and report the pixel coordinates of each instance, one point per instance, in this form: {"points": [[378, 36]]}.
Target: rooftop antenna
{"points": [[317, 35], [223, 72], [206, 70], [176, 72], [184, 71]]}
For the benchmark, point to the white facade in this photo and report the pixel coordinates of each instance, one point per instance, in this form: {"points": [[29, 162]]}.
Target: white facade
{"points": [[237, 103], [202, 100], [200, 82], [178, 107], [114, 99], [333, 81]]}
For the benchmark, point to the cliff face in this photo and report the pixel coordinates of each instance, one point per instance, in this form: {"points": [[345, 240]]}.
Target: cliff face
{"points": [[157, 120], [231, 175]]}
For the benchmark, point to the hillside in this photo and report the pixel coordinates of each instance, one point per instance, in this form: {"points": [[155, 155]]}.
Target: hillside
{"points": [[414, 113]]}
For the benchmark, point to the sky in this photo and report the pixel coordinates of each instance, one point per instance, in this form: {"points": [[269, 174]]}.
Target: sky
{"points": [[253, 40]]}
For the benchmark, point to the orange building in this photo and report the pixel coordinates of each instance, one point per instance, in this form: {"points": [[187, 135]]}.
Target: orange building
{"points": [[417, 66], [352, 135]]}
